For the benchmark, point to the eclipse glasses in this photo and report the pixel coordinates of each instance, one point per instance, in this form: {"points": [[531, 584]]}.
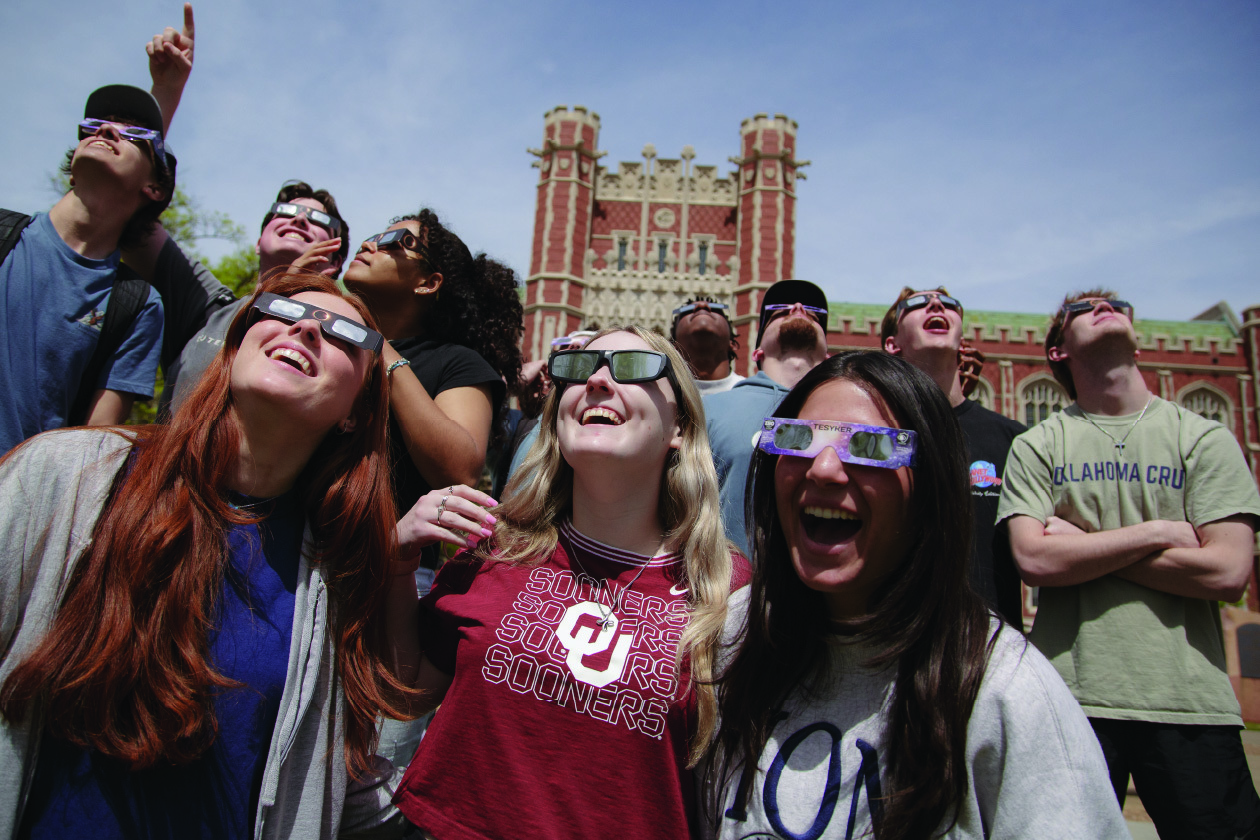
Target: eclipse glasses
{"points": [[1090, 304], [628, 367], [90, 126], [853, 443], [402, 239], [772, 310], [921, 300], [688, 308], [332, 324], [317, 217]]}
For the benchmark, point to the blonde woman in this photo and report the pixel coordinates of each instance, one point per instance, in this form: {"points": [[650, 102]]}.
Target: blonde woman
{"points": [[572, 653]]}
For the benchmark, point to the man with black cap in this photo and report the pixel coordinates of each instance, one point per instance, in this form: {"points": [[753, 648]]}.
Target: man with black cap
{"points": [[702, 332], [61, 269], [791, 339]]}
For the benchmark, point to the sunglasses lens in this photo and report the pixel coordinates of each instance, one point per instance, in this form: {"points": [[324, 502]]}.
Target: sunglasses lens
{"points": [[349, 330], [286, 308], [574, 366], [793, 437], [636, 364], [871, 446]]}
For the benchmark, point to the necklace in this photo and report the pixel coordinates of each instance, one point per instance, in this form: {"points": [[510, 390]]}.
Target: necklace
{"points": [[1120, 443], [609, 618]]}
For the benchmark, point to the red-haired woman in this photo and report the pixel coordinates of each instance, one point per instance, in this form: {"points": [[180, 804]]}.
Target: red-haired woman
{"points": [[189, 641]]}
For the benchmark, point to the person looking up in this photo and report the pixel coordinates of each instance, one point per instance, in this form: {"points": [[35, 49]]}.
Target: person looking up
{"points": [[872, 694], [60, 361], [925, 328], [604, 590], [193, 613], [791, 340], [702, 332], [452, 323], [1136, 516], [200, 308]]}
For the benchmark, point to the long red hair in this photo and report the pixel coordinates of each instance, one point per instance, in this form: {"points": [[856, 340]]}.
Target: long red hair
{"points": [[125, 668]]}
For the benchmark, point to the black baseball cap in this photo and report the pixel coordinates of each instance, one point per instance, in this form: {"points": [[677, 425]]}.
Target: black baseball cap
{"points": [[132, 102], [790, 292]]}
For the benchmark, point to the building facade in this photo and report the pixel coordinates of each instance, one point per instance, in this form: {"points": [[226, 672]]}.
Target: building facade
{"points": [[628, 246]]}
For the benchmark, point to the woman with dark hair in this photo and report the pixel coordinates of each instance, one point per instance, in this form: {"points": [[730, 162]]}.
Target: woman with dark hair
{"points": [[452, 323], [572, 652], [191, 615], [872, 692]]}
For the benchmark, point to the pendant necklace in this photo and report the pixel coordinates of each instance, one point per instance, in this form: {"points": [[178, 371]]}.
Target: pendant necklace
{"points": [[1119, 444], [609, 618]]}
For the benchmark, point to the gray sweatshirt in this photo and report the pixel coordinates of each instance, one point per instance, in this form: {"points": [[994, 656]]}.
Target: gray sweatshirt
{"points": [[53, 489], [1034, 767]]}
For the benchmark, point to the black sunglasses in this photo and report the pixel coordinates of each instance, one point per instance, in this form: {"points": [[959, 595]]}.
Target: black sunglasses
{"points": [[627, 367], [317, 217], [332, 324], [919, 301], [1090, 304], [402, 239]]}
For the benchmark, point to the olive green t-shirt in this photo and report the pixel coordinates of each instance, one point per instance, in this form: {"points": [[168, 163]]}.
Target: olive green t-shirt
{"points": [[1129, 652]]}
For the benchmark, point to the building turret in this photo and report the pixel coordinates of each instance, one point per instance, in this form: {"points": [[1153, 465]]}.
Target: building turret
{"points": [[562, 222]]}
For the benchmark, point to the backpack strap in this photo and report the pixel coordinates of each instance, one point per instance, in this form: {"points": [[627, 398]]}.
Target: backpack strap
{"points": [[126, 299], [12, 224]]}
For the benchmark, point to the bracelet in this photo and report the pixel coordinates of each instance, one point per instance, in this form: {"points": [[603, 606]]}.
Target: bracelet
{"points": [[389, 370]]}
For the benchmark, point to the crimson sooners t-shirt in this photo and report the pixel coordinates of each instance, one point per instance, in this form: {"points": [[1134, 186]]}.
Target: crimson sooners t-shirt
{"points": [[559, 723]]}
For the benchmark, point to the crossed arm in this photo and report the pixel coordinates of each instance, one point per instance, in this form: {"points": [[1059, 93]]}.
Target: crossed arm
{"points": [[1212, 561]]}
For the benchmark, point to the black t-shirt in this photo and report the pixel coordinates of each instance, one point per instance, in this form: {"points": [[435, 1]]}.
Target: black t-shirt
{"points": [[993, 572], [439, 367]]}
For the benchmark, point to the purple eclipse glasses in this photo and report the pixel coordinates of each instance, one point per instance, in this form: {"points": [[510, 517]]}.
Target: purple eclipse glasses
{"points": [[90, 126], [853, 443]]}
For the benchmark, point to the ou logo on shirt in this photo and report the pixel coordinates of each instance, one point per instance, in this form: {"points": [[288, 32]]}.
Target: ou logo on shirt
{"points": [[582, 641]]}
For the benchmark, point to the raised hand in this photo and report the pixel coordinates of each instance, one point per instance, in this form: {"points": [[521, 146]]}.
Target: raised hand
{"points": [[318, 258], [170, 63]]}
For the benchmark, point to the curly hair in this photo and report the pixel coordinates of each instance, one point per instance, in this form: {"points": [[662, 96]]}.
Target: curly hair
{"points": [[478, 305]]}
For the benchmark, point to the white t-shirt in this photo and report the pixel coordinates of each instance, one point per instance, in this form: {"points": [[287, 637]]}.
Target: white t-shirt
{"points": [[717, 386]]}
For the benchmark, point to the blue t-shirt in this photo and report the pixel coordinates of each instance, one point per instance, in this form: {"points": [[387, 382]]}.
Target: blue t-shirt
{"points": [[80, 793], [52, 307]]}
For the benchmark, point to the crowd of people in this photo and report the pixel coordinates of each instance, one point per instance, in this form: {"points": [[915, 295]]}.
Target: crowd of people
{"points": [[692, 604]]}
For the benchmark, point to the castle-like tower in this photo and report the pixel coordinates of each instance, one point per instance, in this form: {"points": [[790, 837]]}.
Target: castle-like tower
{"points": [[629, 246]]}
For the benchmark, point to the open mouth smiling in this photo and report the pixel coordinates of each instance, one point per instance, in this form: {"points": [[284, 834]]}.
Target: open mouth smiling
{"points": [[936, 323], [601, 416], [829, 526], [293, 358]]}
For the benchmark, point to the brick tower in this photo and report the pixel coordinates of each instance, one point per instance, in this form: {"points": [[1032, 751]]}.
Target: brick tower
{"points": [[767, 218], [562, 225]]}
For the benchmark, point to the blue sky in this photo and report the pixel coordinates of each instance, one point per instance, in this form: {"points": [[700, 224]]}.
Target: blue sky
{"points": [[1009, 150]]}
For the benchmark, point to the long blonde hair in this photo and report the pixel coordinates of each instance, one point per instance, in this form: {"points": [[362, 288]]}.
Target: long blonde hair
{"points": [[540, 495]]}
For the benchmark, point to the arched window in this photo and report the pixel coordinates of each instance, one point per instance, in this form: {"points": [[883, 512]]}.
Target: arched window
{"points": [[983, 393], [1041, 397], [1208, 402]]}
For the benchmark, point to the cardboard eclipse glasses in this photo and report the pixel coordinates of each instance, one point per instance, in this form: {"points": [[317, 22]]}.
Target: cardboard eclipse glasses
{"points": [[332, 324], [853, 443]]}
